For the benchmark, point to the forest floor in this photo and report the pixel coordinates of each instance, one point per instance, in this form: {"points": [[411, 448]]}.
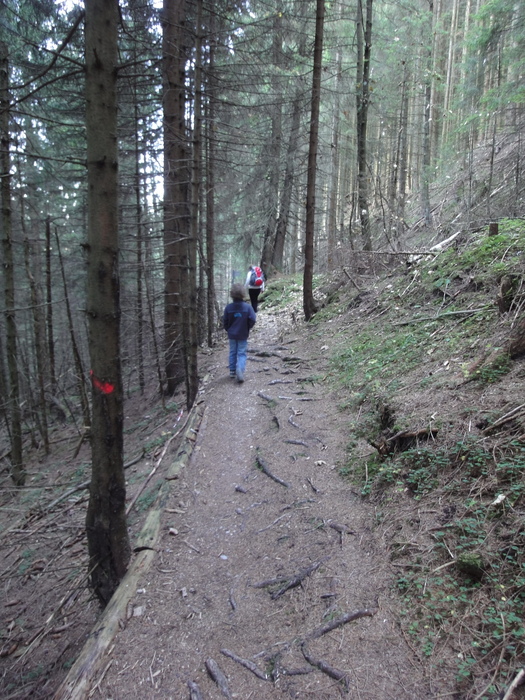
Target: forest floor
{"points": [[272, 576]]}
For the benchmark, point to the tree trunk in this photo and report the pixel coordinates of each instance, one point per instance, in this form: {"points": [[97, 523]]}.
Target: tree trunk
{"points": [[333, 194], [274, 150], [49, 312], [427, 116], [191, 332], [139, 254], [210, 189], [309, 306], [79, 369], [17, 467], [288, 183], [176, 215], [108, 541], [364, 40], [402, 162], [40, 346]]}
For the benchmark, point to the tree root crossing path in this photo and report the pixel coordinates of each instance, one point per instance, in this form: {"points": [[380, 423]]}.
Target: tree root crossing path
{"points": [[267, 579]]}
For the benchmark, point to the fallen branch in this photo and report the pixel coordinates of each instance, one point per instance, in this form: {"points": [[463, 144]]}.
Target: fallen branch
{"points": [[465, 312], [515, 684], [264, 468], [246, 663], [265, 397], [334, 673], [157, 464], [515, 413], [218, 676]]}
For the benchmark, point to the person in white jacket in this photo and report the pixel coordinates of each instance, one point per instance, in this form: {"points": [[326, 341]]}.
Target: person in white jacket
{"points": [[255, 284]]}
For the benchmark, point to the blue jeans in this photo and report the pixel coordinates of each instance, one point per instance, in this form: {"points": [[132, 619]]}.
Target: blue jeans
{"points": [[237, 359]]}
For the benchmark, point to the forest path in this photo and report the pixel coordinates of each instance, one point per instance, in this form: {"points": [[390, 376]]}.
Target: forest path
{"points": [[229, 526]]}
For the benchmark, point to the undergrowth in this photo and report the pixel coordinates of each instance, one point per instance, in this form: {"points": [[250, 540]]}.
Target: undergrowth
{"points": [[451, 504]]}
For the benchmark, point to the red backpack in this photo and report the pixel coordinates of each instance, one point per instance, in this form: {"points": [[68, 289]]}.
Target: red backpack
{"points": [[256, 278]]}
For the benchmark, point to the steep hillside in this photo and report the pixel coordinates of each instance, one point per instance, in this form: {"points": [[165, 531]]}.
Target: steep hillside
{"points": [[427, 361]]}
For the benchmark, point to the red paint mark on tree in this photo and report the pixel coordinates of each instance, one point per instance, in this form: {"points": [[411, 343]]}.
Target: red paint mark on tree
{"points": [[104, 387]]}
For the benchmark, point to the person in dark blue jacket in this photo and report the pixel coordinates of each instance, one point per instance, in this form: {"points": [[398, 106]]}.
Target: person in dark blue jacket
{"points": [[238, 319]]}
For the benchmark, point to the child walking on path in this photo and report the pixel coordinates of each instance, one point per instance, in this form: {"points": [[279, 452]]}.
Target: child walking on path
{"points": [[238, 319]]}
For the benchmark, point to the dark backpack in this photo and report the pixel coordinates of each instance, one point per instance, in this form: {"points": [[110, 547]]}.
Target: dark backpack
{"points": [[256, 278]]}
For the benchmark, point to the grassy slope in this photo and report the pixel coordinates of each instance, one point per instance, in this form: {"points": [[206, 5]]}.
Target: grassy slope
{"points": [[421, 350]]}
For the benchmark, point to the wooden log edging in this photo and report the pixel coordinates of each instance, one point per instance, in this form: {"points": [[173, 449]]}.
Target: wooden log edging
{"points": [[77, 683]]}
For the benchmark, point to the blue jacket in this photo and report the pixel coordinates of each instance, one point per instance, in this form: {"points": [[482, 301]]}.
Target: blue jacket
{"points": [[239, 317]]}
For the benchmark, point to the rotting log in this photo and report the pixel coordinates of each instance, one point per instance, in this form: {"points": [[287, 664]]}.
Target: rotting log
{"points": [[77, 684]]}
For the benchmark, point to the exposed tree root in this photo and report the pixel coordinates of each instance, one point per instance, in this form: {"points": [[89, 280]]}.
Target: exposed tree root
{"points": [[340, 621], [264, 468], [218, 676], [334, 673], [246, 663], [195, 691], [289, 581]]}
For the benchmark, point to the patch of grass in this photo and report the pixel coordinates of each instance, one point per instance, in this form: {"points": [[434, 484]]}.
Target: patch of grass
{"points": [[27, 557], [147, 499], [492, 372], [282, 292], [485, 257], [154, 443]]}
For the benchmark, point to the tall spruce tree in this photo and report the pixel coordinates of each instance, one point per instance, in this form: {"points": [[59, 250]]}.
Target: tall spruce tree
{"points": [[108, 541]]}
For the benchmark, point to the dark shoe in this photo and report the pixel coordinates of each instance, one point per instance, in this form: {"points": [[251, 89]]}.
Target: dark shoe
{"points": [[232, 375], [240, 376]]}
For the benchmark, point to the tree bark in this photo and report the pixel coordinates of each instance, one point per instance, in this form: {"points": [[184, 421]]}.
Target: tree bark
{"points": [[309, 306], [210, 181], [79, 369], [108, 541], [427, 133], [15, 426], [42, 361], [49, 313], [333, 194], [274, 149], [287, 190], [176, 178], [364, 41]]}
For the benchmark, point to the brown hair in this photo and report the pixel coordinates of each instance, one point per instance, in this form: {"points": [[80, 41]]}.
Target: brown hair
{"points": [[237, 292]]}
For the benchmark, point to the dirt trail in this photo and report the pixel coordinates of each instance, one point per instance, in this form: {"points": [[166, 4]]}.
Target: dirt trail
{"points": [[233, 527]]}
